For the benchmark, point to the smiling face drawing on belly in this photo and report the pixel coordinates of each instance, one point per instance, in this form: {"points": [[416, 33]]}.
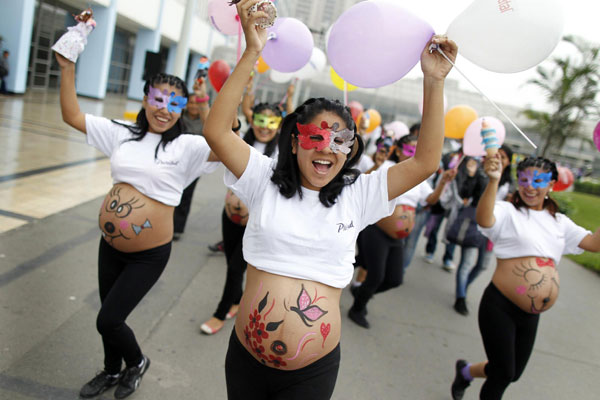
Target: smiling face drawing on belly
{"points": [[235, 209], [541, 284], [116, 219]]}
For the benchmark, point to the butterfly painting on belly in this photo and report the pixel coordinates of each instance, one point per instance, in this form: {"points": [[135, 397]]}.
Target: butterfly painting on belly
{"points": [[306, 308]]}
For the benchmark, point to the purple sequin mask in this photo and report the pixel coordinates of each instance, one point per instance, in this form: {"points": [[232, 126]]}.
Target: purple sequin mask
{"points": [[534, 178], [161, 99]]}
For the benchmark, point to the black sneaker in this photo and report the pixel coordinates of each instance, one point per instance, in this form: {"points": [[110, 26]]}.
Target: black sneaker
{"points": [[461, 306], [131, 379], [358, 318], [215, 248], [100, 383], [460, 384]]}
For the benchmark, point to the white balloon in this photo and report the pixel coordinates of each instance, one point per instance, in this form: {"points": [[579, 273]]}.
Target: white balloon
{"points": [[327, 36], [281, 77], [508, 35], [316, 64]]}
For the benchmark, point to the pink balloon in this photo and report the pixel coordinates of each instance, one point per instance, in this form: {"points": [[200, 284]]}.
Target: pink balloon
{"points": [[597, 136], [398, 128], [375, 43], [355, 108], [223, 17], [289, 45], [472, 145]]}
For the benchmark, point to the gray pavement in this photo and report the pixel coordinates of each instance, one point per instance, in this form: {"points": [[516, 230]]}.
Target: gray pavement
{"points": [[49, 299]]}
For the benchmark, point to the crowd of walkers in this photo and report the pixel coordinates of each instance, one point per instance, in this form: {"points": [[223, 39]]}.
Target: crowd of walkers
{"points": [[308, 203]]}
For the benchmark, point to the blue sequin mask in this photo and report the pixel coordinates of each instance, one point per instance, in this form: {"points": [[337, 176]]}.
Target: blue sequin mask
{"points": [[161, 99], [535, 179]]}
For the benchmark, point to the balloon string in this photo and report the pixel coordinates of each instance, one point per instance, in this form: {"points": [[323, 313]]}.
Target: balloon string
{"points": [[487, 98]]}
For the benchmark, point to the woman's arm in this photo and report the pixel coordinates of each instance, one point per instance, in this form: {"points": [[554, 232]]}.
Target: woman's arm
{"points": [[447, 176], [289, 101], [69, 106], [200, 91], [591, 242], [229, 147], [248, 100], [407, 174], [485, 209]]}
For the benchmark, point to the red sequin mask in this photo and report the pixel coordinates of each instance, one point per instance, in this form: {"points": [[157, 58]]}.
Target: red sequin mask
{"points": [[312, 137]]}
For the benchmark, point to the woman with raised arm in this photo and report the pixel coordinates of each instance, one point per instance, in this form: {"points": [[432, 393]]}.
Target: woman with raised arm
{"points": [[529, 236], [152, 161], [306, 210]]}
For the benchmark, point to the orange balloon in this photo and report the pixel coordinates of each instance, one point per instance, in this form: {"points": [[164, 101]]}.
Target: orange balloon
{"points": [[261, 66], [457, 121], [372, 116]]}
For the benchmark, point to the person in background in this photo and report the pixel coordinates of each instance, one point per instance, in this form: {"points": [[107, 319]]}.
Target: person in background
{"points": [[193, 118], [4, 71]]}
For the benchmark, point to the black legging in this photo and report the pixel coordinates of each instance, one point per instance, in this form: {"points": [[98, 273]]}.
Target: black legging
{"points": [[508, 335], [124, 279], [182, 211], [236, 266], [248, 379], [382, 257]]}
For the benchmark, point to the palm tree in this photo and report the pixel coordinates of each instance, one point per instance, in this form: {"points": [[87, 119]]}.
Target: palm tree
{"points": [[570, 85]]}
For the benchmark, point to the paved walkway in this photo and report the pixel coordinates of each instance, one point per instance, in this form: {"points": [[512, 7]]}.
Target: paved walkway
{"points": [[49, 299]]}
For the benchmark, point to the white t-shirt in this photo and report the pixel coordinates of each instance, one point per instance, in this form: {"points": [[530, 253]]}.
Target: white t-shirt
{"points": [[301, 238], [502, 191], [365, 163], [415, 196], [162, 178], [526, 232]]}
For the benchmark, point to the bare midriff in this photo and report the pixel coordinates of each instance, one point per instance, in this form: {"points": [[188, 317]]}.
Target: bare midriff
{"points": [[287, 323], [400, 223], [529, 282], [131, 221], [236, 210]]}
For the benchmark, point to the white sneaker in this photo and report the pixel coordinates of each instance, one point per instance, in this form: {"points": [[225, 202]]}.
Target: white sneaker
{"points": [[448, 266], [428, 258]]}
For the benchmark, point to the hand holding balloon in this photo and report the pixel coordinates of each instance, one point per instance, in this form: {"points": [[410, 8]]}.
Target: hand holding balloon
{"points": [[433, 64], [256, 37]]}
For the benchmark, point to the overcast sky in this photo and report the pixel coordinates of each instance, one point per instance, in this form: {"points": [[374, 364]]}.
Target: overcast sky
{"points": [[581, 19]]}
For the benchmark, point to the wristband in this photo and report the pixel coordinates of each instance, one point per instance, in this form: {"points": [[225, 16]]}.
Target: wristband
{"points": [[202, 99], [238, 127]]}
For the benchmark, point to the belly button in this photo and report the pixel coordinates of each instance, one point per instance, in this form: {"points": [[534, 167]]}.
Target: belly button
{"points": [[109, 227], [546, 300]]}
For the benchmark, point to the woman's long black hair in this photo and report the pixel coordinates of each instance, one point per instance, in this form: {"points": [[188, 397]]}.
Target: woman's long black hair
{"points": [[507, 173], [249, 136], [543, 164], [140, 128], [287, 173]]}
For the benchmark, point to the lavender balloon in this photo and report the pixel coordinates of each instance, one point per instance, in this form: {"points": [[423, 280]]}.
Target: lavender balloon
{"points": [[375, 43], [289, 46]]}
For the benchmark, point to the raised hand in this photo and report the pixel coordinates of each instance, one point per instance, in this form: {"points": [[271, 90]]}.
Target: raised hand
{"points": [[256, 37], [493, 167], [63, 62], [433, 64]]}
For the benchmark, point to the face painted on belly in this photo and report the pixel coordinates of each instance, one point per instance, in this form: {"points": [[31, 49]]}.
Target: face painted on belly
{"points": [[541, 283], [115, 213]]}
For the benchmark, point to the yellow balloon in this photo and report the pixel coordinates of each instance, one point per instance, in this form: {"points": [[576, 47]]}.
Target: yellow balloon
{"points": [[261, 66], [338, 81], [457, 121], [372, 116]]}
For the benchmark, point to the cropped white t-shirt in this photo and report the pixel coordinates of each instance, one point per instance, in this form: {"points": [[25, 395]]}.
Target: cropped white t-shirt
{"points": [[162, 178], [415, 196], [526, 232], [301, 238]]}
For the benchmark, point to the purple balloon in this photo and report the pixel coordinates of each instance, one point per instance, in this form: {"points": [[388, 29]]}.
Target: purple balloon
{"points": [[375, 43], [289, 46], [597, 136]]}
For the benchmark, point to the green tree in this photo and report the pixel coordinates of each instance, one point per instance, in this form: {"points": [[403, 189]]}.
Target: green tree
{"points": [[570, 84]]}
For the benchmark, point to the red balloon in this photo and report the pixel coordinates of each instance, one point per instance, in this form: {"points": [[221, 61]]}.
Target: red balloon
{"points": [[218, 72], [565, 179], [355, 108]]}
